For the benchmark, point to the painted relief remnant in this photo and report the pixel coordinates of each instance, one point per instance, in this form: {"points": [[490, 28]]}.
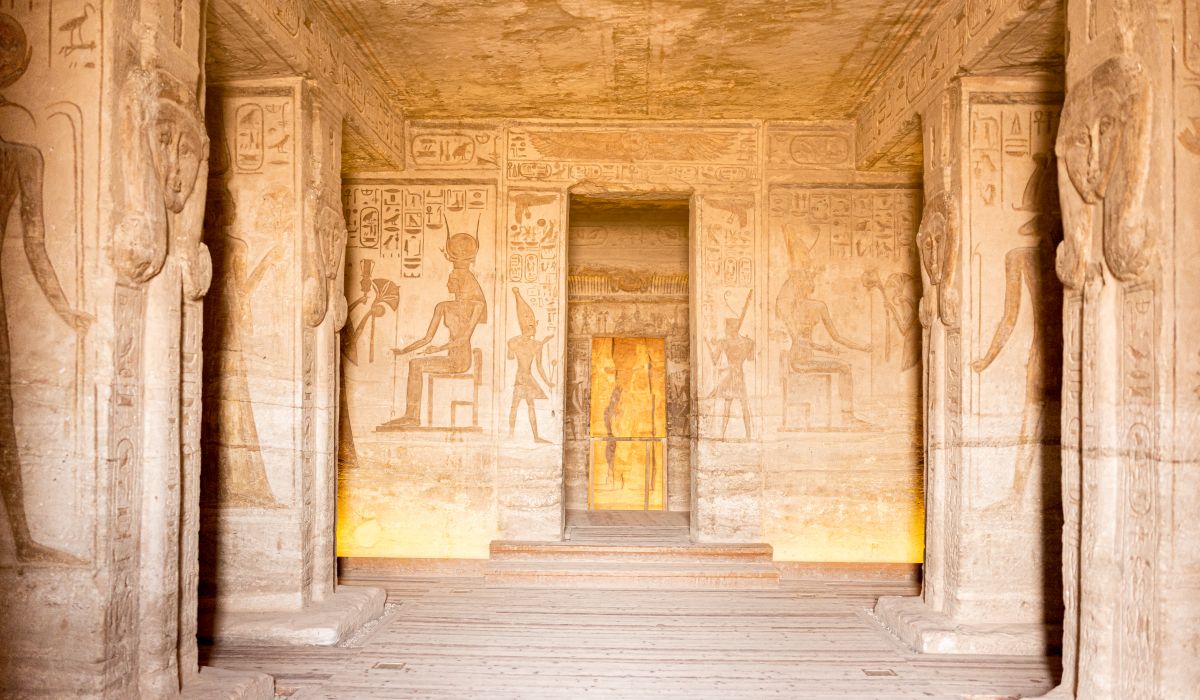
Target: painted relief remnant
{"points": [[21, 177], [526, 349]]}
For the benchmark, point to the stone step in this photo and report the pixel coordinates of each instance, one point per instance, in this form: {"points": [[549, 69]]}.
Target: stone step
{"points": [[617, 574], [620, 551], [651, 535]]}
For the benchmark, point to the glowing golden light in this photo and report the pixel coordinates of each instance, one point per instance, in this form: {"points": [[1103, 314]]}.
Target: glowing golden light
{"points": [[628, 424]]}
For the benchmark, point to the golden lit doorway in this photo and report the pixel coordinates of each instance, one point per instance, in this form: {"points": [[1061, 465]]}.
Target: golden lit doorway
{"points": [[628, 309], [628, 428]]}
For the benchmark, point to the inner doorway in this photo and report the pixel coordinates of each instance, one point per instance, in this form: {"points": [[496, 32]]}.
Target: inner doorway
{"points": [[627, 452]]}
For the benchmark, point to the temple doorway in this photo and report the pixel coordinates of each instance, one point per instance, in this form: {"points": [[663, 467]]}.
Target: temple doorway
{"points": [[627, 452]]}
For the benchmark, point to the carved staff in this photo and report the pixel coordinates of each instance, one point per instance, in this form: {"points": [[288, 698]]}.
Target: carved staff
{"points": [[745, 309]]}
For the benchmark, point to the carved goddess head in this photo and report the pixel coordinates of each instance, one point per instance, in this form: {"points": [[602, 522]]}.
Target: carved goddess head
{"points": [[179, 143], [936, 237], [937, 242], [1103, 147]]}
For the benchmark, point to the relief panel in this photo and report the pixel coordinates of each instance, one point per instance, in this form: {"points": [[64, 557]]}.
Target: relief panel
{"points": [[533, 276], [415, 461], [844, 356], [49, 142], [251, 224], [1013, 229], [726, 226]]}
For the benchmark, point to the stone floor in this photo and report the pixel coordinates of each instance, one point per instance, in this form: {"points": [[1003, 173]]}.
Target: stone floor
{"points": [[457, 638]]}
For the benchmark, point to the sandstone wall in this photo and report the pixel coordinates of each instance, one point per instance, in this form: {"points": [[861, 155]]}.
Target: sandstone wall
{"points": [[825, 256]]}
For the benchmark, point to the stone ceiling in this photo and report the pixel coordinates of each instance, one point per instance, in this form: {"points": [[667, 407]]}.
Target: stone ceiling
{"points": [[666, 59]]}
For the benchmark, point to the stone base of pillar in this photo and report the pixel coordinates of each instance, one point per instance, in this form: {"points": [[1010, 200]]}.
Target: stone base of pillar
{"points": [[222, 684], [932, 632], [319, 624]]}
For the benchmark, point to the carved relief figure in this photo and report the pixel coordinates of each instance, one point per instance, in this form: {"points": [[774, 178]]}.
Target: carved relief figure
{"points": [[901, 305], [937, 242], [1029, 268], [377, 295], [1104, 152], [525, 349], [801, 315], [241, 477], [737, 349], [461, 315], [21, 177]]}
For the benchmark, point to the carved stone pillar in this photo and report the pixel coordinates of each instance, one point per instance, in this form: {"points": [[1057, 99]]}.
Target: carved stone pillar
{"points": [[991, 318], [529, 473], [727, 474], [1129, 169], [271, 361], [98, 394]]}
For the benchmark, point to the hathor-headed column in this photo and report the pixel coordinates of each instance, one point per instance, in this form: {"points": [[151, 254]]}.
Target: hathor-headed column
{"points": [[1129, 167], [991, 315], [271, 369]]}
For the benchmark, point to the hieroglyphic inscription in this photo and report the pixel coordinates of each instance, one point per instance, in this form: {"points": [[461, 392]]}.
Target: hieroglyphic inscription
{"points": [[533, 256], [1138, 511], [75, 40], [433, 146], [625, 154], [554, 171], [802, 149], [859, 224], [398, 221], [632, 144]]}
